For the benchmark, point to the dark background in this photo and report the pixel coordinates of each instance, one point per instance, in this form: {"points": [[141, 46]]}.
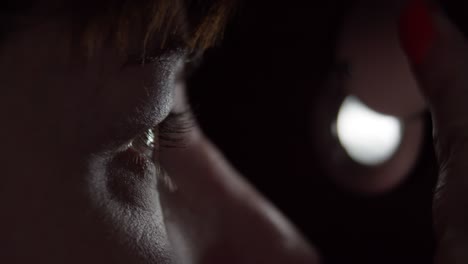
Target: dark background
{"points": [[263, 98]]}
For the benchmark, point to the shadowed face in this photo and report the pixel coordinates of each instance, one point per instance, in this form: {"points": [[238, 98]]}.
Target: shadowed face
{"points": [[74, 187], [87, 176]]}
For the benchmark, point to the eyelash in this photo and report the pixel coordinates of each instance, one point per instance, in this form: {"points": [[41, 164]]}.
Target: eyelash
{"points": [[170, 132]]}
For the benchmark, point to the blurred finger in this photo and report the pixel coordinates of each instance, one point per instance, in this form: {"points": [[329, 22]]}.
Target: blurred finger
{"points": [[438, 53]]}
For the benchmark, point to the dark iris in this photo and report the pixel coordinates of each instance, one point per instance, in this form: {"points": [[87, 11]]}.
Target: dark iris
{"points": [[145, 143]]}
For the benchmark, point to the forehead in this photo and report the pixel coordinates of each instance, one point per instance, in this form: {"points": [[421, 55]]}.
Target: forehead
{"points": [[198, 22]]}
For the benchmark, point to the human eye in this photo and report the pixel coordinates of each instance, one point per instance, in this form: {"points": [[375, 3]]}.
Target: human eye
{"points": [[168, 134]]}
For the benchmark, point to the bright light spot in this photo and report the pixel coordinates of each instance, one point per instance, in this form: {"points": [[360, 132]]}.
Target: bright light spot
{"points": [[369, 137]]}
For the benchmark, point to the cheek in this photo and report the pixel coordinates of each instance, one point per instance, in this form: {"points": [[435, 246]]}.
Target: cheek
{"points": [[56, 106], [126, 205]]}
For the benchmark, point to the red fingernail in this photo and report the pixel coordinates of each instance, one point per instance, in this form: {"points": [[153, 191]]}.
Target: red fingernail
{"points": [[417, 31]]}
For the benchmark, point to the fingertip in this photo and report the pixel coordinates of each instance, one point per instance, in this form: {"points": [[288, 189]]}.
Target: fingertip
{"points": [[437, 52], [416, 30]]}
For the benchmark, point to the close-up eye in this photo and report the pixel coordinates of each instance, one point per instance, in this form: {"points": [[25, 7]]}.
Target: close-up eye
{"points": [[170, 133], [234, 132], [146, 143]]}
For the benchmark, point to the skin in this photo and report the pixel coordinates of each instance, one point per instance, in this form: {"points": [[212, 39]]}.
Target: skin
{"points": [[68, 194], [442, 80], [380, 77], [66, 117], [442, 77]]}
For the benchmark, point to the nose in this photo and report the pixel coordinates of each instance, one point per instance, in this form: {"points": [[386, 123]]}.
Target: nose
{"points": [[213, 215]]}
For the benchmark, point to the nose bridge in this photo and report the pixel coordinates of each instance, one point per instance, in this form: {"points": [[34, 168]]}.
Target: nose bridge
{"points": [[214, 216]]}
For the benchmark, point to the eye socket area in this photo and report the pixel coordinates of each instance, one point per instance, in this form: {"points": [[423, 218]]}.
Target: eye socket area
{"points": [[170, 133]]}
